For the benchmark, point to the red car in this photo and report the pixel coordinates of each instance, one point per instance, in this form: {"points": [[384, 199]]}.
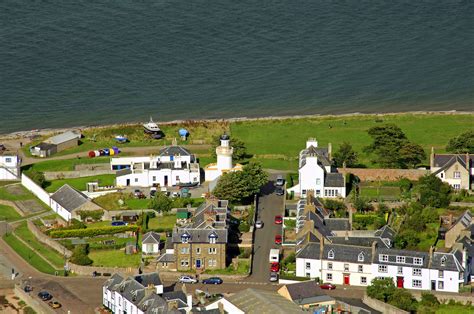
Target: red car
{"points": [[278, 239], [278, 220], [275, 267], [327, 286]]}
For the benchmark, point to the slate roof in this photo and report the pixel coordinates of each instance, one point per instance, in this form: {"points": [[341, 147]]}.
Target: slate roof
{"points": [[386, 233], [358, 241], [309, 251], [465, 219], [446, 160], [174, 151], [337, 224], [151, 237], [219, 212], [149, 279], [69, 198], [303, 289], [450, 262], [253, 301], [348, 253], [113, 280], [64, 137], [409, 257], [199, 235], [320, 152], [153, 304], [319, 224], [166, 258], [333, 180], [315, 299], [44, 146], [175, 295]]}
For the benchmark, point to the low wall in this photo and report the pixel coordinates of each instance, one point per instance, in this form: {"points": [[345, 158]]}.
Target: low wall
{"points": [[37, 305], [54, 175], [384, 174], [47, 240], [34, 188], [445, 297], [382, 306], [88, 270]]}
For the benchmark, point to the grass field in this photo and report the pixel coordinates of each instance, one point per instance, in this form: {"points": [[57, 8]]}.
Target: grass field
{"points": [[114, 258], [80, 183], [265, 138], [164, 222], [460, 309], [242, 269], [22, 196], [8, 213], [3, 183], [28, 255], [111, 201], [65, 164], [371, 193]]}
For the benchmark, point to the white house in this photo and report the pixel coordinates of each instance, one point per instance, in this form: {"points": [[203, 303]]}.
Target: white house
{"points": [[175, 165], [142, 294], [356, 265], [151, 243], [9, 165], [67, 202], [317, 173], [224, 161]]}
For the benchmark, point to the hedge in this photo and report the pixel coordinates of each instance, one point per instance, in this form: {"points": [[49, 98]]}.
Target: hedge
{"points": [[91, 232]]}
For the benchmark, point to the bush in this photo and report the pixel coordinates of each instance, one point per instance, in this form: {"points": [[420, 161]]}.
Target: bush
{"points": [[334, 205], [428, 299], [244, 227], [289, 259], [402, 299], [79, 255], [381, 289], [91, 232], [245, 253], [362, 205], [93, 214]]}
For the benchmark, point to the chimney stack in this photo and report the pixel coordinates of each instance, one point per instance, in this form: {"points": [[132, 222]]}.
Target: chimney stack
{"points": [[329, 151], [430, 256], [432, 156], [467, 162], [374, 249]]}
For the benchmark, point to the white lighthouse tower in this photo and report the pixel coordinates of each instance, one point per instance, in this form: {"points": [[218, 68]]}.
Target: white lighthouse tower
{"points": [[224, 160]]}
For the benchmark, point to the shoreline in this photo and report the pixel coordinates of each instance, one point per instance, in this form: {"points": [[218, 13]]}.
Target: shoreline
{"points": [[48, 131]]}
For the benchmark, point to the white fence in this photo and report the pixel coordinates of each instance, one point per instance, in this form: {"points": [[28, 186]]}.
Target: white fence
{"points": [[35, 189]]}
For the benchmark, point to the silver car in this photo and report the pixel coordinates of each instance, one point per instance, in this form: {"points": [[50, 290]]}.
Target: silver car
{"points": [[273, 277], [259, 224], [187, 279]]}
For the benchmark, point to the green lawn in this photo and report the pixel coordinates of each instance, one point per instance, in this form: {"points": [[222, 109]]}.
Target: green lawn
{"points": [[383, 192], [25, 195], [52, 255], [458, 309], [65, 164], [114, 258], [288, 137], [3, 183], [428, 238], [242, 269], [28, 255], [162, 222], [80, 183], [136, 203], [99, 224], [8, 213]]}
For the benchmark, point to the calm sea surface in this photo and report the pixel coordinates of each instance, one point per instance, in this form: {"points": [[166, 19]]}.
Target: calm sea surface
{"points": [[69, 63]]}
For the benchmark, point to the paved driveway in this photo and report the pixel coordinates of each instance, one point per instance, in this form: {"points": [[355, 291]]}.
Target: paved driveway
{"points": [[268, 207]]}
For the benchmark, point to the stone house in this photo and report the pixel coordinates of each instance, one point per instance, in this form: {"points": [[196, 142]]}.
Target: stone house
{"points": [[463, 223], [455, 169]]}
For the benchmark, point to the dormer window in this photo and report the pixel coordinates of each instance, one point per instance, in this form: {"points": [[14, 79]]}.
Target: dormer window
{"points": [[360, 258], [212, 238], [383, 257], [185, 237], [443, 261], [418, 261], [331, 254]]}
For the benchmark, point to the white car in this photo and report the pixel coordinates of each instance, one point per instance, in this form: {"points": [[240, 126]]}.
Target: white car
{"points": [[259, 224], [187, 279]]}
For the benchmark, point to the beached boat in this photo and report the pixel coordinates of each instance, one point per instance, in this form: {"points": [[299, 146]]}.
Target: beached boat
{"points": [[151, 127], [121, 138]]}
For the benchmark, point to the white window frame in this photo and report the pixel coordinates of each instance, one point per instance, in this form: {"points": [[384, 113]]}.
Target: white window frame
{"points": [[360, 268], [383, 269], [416, 283], [400, 259], [457, 175], [329, 277], [346, 267], [363, 280], [185, 262], [383, 257], [440, 285], [198, 250], [212, 250], [457, 186], [212, 240], [329, 266], [443, 261], [360, 257], [400, 270], [440, 274], [417, 272], [331, 254], [418, 261], [308, 265]]}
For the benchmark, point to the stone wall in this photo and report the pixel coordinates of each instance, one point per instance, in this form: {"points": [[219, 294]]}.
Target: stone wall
{"points": [[54, 175], [384, 174], [382, 306], [88, 270], [47, 240]]}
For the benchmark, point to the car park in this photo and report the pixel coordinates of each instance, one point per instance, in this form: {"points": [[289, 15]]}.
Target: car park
{"points": [[212, 281], [187, 279], [278, 219], [259, 224], [280, 181], [54, 304], [275, 267], [278, 239], [45, 295], [273, 276], [327, 286]]}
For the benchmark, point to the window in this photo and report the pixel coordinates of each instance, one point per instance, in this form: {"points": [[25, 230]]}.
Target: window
{"points": [[363, 280], [184, 250], [457, 175], [308, 265], [177, 178], [212, 250], [400, 270], [331, 254], [441, 175], [318, 181], [8, 160], [308, 275], [330, 266], [418, 261], [329, 277], [457, 186], [325, 192], [416, 272], [212, 240], [401, 259], [153, 179], [184, 263], [440, 274], [416, 283], [185, 238], [382, 268], [443, 261], [165, 265], [361, 268], [136, 179], [198, 250], [303, 192], [383, 258], [346, 267], [360, 258], [318, 192], [212, 262], [440, 285]]}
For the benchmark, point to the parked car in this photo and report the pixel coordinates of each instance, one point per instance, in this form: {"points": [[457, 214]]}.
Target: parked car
{"points": [[187, 279], [280, 181], [259, 224], [327, 286], [278, 239], [273, 277], [139, 194], [278, 219], [45, 295], [275, 267], [212, 281], [54, 304], [279, 191], [27, 288], [118, 223]]}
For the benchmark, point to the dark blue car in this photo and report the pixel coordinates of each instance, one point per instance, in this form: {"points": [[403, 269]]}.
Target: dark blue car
{"points": [[212, 281], [118, 223]]}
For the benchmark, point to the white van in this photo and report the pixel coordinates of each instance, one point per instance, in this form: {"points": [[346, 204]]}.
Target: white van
{"points": [[274, 255]]}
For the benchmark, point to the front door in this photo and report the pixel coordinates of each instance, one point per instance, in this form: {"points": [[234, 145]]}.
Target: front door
{"points": [[399, 282], [128, 182], [433, 284], [198, 263], [346, 279], [166, 181]]}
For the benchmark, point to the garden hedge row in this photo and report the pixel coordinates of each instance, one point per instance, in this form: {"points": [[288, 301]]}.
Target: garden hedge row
{"points": [[91, 232]]}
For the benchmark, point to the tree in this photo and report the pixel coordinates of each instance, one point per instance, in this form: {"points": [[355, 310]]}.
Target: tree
{"points": [[37, 177], [433, 192], [345, 156], [410, 155], [406, 239], [160, 203], [240, 151], [79, 255], [402, 299], [461, 144], [428, 299], [381, 289]]}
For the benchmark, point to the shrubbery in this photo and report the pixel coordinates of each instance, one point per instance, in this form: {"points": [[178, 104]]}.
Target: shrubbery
{"points": [[79, 255], [93, 214], [90, 232]]}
